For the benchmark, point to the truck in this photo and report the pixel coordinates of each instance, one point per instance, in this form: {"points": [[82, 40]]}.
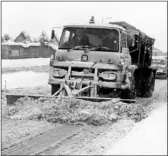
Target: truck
{"points": [[100, 62], [95, 61], [160, 63]]}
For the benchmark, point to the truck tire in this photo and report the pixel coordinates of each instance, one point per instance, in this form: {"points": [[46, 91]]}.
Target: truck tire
{"points": [[54, 88], [139, 88], [130, 93], [139, 83], [149, 86]]}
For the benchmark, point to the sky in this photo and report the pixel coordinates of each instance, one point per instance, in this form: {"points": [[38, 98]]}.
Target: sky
{"points": [[35, 17]]}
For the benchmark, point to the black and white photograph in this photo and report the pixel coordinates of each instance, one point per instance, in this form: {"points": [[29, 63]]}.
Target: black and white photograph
{"points": [[84, 78]]}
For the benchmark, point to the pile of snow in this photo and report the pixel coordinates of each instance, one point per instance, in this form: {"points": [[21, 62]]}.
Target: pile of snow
{"points": [[75, 111]]}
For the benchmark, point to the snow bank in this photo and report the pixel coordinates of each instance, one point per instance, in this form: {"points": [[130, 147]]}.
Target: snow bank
{"points": [[74, 111]]}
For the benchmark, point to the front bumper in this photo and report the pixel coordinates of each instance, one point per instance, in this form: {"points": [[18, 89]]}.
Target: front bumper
{"points": [[76, 79], [115, 85], [94, 78]]}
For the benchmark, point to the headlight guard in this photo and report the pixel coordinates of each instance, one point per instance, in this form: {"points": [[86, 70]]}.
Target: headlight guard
{"points": [[108, 75]]}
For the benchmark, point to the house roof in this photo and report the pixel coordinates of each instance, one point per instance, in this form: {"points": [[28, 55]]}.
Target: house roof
{"points": [[23, 35], [27, 45], [21, 44]]}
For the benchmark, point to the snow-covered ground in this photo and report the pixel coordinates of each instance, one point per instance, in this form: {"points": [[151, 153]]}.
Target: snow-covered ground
{"points": [[148, 137], [25, 62], [24, 79]]}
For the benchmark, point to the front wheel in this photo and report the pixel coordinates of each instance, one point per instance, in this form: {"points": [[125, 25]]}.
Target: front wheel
{"points": [[54, 89], [149, 85]]}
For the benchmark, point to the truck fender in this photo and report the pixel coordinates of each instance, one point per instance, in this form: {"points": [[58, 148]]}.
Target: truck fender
{"points": [[131, 68]]}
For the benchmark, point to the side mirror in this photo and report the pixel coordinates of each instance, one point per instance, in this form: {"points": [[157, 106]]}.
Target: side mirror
{"points": [[52, 34]]}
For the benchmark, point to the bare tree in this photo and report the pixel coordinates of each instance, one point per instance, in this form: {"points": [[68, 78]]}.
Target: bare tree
{"points": [[6, 37], [35, 40], [2, 39], [43, 39], [28, 38]]}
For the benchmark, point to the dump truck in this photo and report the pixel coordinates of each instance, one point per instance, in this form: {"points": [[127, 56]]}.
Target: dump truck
{"points": [[101, 62]]}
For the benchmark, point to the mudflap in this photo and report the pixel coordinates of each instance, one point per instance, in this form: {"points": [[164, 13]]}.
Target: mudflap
{"points": [[12, 98]]}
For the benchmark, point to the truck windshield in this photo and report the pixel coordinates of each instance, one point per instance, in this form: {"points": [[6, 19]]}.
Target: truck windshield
{"points": [[78, 38]]}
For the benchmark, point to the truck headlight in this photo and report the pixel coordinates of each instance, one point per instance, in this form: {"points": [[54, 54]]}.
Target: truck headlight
{"points": [[108, 75], [57, 72]]}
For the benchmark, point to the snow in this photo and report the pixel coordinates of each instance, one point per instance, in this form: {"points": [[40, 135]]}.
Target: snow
{"points": [[55, 47], [25, 62], [103, 26], [148, 137], [24, 79], [21, 44]]}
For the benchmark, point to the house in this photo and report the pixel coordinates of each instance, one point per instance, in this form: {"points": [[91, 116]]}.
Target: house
{"points": [[13, 50], [22, 47], [23, 37]]}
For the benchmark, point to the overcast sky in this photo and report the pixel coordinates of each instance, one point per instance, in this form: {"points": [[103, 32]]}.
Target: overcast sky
{"points": [[34, 17]]}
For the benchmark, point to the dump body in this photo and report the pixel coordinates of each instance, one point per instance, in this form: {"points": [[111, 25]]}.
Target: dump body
{"points": [[99, 61], [139, 44]]}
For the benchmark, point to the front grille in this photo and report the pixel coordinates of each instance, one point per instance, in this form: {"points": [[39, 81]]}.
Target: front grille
{"points": [[82, 72]]}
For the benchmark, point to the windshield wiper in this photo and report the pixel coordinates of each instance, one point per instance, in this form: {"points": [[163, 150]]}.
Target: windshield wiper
{"points": [[90, 48], [98, 48], [102, 48], [81, 47]]}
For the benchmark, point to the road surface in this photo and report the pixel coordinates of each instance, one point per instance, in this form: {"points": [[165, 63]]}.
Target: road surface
{"points": [[148, 137], [144, 138]]}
